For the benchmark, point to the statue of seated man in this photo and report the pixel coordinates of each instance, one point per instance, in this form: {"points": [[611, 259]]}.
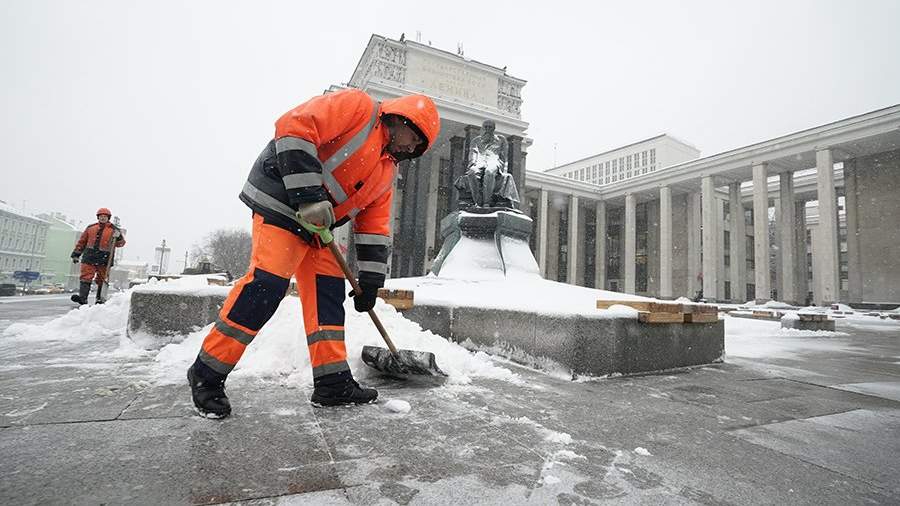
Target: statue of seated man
{"points": [[487, 183]]}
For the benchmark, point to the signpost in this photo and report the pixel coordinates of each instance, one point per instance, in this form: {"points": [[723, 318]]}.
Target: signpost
{"points": [[26, 277]]}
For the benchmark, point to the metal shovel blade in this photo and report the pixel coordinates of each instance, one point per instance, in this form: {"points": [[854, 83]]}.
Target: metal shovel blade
{"points": [[403, 363]]}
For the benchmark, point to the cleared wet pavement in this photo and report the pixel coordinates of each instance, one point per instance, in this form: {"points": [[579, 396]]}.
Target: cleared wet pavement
{"points": [[80, 426]]}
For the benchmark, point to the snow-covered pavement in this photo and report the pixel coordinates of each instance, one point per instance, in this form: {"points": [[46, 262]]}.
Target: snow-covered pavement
{"points": [[88, 416]]}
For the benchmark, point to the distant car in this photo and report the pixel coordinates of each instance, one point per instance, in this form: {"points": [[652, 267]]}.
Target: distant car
{"points": [[7, 289]]}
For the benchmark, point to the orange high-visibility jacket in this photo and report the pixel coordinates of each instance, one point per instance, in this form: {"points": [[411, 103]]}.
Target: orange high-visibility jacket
{"points": [[94, 243], [333, 147]]}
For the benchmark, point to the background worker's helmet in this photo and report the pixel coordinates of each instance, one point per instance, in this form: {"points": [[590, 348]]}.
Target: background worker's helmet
{"points": [[105, 211]]}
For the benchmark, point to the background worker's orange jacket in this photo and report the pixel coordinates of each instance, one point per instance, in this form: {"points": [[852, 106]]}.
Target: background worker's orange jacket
{"points": [[334, 147], [93, 245]]}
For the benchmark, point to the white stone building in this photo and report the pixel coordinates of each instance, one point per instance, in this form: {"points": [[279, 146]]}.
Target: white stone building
{"points": [[22, 242], [626, 162]]}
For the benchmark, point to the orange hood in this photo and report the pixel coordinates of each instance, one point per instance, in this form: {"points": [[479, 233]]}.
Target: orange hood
{"points": [[420, 110]]}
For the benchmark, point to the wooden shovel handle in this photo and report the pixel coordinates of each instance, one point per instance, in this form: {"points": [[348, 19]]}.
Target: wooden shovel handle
{"points": [[349, 274]]}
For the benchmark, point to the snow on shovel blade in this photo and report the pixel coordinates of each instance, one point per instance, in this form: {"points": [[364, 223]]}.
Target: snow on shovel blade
{"points": [[403, 363]]}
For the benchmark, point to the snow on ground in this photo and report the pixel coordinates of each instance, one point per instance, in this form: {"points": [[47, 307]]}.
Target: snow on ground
{"points": [[750, 338], [278, 353]]}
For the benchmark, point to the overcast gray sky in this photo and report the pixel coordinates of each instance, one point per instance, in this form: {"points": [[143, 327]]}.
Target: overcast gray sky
{"points": [[157, 109]]}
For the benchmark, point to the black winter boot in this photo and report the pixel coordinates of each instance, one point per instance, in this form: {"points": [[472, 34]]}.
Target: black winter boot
{"points": [[83, 290], [339, 389], [208, 391], [99, 299]]}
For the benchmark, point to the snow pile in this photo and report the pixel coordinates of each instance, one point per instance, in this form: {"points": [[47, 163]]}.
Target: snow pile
{"points": [[397, 406], [279, 351], [521, 294], [477, 260], [776, 304], [84, 322], [186, 285]]}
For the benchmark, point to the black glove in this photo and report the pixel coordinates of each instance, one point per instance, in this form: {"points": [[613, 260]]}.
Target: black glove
{"points": [[75, 256], [366, 300]]}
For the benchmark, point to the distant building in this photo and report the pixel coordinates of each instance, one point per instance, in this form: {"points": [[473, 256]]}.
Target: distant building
{"points": [[626, 162], [61, 238], [125, 271], [22, 242]]}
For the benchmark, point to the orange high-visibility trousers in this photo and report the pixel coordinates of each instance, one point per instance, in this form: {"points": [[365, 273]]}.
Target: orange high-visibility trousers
{"points": [[276, 255], [91, 272]]}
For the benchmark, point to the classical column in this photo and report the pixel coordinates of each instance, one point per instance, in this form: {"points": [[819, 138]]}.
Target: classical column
{"points": [[720, 247], [665, 242], [542, 239], [761, 231], [431, 207], [775, 246], [710, 238], [630, 233], [472, 131], [826, 247], [405, 249], [693, 252], [737, 244], [572, 249], [553, 223], [515, 166], [396, 230], [787, 238], [457, 168], [582, 252], [801, 268], [422, 174], [851, 213], [600, 250]]}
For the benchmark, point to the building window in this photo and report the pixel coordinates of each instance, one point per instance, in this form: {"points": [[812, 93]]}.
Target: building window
{"points": [[749, 251], [643, 158], [652, 156], [726, 247], [728, 290], [751, 291], [748, 216], [628, 162]]}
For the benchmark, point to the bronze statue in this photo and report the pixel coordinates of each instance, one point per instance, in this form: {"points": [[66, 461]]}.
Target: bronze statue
{"points": [[487, 183]]}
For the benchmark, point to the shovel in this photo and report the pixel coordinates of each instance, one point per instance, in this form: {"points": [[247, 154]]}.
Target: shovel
{"points": [[391, 361]]}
